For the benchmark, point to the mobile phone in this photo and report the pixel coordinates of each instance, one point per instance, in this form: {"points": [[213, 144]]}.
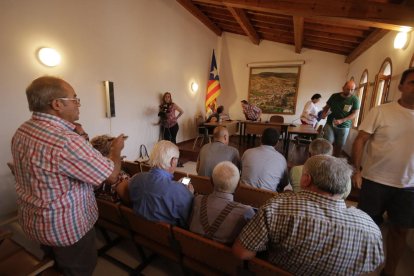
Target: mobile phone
{"points": [[186, 180]]}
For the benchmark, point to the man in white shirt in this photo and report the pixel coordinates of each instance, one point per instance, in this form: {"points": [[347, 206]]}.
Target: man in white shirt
{"points": [[387, 174]]}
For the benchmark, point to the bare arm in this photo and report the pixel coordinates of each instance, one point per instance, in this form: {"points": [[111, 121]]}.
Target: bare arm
{"points": [[123, 192], [349, 117], [325, 111], [180, 111], [357, 149], [115, 156], [242, 253]]}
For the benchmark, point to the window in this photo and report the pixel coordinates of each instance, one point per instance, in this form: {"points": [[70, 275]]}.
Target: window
{"points": [[382, 84], [362, 95]]}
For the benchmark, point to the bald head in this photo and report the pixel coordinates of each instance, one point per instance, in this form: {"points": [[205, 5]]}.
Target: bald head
{"points": [[348, 88], [221, 134]]}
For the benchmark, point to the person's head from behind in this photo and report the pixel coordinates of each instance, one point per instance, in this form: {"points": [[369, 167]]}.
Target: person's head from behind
{"points": [[316, 98], [220, 109], [406, 87], [164, 156], [244, 103], [320, 146], [270, 137], [166, 98], [348, 88], [53, 96], [327, 174], [102, 143], [225, 177], [221, 134]]}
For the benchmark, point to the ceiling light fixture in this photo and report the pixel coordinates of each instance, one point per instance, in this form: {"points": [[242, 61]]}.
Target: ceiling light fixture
{"points": [[49, 57]]}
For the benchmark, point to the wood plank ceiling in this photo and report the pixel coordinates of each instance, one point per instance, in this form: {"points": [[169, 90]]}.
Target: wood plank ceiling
{"points": [[345, 27]]}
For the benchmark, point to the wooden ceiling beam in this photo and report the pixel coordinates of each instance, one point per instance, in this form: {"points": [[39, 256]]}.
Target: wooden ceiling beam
{"points": [[375, 14], [189, 6], [245, 24], [298, 32], [340, 37], [366, 44]]}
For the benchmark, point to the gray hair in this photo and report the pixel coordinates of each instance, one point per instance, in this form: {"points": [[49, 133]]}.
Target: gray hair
{"points": [[42, 91], [330, 174], [320, 146], [225, 176], [162, 153]]}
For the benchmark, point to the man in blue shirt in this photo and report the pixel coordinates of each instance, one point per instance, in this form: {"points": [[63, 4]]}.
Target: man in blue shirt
{"points": [[155, 195]]}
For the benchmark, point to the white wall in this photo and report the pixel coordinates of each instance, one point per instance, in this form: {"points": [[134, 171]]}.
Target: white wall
{"points": [[146, 47], [322, 72]]}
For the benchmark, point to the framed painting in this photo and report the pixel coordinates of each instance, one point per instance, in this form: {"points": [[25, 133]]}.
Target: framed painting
{"points": [[274, 88]]}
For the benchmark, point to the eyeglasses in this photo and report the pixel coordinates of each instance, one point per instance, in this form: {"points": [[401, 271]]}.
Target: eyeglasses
{"points": [[77, 100]]}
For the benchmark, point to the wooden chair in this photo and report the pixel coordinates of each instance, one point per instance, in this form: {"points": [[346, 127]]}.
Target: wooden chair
{"points": [[206, 256], [252, 196], [155, 236], [130, 167], [202, 184], [145, 167], [15, 260], [263, 268], [202, 131], [110, 219], [277, 119]]}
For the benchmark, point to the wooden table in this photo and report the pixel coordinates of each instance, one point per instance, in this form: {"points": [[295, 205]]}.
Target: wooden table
{"points": [[299, 130], [232, 126]]}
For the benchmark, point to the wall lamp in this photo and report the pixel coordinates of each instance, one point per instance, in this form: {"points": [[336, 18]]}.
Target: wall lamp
{"points": [[401, 39], [194, 86], [49, 57]]}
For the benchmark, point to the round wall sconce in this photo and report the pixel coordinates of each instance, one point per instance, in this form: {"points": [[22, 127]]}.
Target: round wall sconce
{"points": [[401, 40], [48, 56], [194, 86]]}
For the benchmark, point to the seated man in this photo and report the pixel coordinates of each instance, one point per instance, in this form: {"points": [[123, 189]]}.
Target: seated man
{"points": [[264, 167], [213, 153], [217, 216], [317, 146], [250, 111], [215, 117], [155, 195], [313, 232]]}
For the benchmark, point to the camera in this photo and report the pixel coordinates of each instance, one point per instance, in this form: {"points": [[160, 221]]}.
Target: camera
{"points": [[164, 109]]}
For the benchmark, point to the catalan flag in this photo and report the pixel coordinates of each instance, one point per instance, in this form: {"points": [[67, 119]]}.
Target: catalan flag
{"points": [[213, 87]]}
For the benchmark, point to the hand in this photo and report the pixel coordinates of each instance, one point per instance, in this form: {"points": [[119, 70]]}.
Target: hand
{"points": [[357, 179], [118, 143], [337, 122], [190, 188]]}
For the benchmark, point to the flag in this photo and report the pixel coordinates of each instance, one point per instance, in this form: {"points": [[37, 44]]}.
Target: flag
{"points": [[213, 86]]}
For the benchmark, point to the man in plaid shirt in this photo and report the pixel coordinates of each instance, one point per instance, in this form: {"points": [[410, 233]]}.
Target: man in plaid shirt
{"points": [[313, 232], [251, 112], [55, 171]]}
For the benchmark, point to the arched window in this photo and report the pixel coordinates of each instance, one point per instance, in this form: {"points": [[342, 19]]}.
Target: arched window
{"points": [[382, 84], [362, 95]]}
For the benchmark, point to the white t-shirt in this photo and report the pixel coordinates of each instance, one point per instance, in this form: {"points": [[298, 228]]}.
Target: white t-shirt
{"points": [[310, 108], [389, 154]]}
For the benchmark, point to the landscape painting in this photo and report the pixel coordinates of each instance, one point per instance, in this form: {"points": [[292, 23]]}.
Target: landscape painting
{"points": [[274, 89]]}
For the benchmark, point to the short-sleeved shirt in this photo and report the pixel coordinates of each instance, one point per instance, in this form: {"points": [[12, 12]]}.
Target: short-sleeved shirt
{"points": [[389, 157], [157, 197], [232, 224], [264, 167], [213, 153], [251, 112], [309, 234], [55, 172], [342, 107], [171, 119]]}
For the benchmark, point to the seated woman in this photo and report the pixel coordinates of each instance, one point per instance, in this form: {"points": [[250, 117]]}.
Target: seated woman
{"points": [[102, 143], [215, 117], [217, 216]]}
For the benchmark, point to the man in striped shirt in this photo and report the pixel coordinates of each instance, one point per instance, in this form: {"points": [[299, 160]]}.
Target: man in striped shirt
{"points": [[313, 232], [56, 170]]}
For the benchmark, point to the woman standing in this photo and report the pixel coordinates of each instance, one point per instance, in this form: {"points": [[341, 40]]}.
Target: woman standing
{"points": [[310, 111], [168, 118]]}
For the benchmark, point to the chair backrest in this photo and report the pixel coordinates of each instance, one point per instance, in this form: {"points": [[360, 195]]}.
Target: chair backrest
{"points": [[204, 255], [155, 236], [263, 268], [202, 184], [145, 167], [110, 217], [252, 196], [277, 119], [130, 167]]}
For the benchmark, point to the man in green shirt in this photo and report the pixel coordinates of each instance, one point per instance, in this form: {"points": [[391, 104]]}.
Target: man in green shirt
{"points": [[344, 107]]}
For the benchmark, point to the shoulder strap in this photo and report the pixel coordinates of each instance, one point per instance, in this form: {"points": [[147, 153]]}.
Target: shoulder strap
{"points": [[210, 230]]}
